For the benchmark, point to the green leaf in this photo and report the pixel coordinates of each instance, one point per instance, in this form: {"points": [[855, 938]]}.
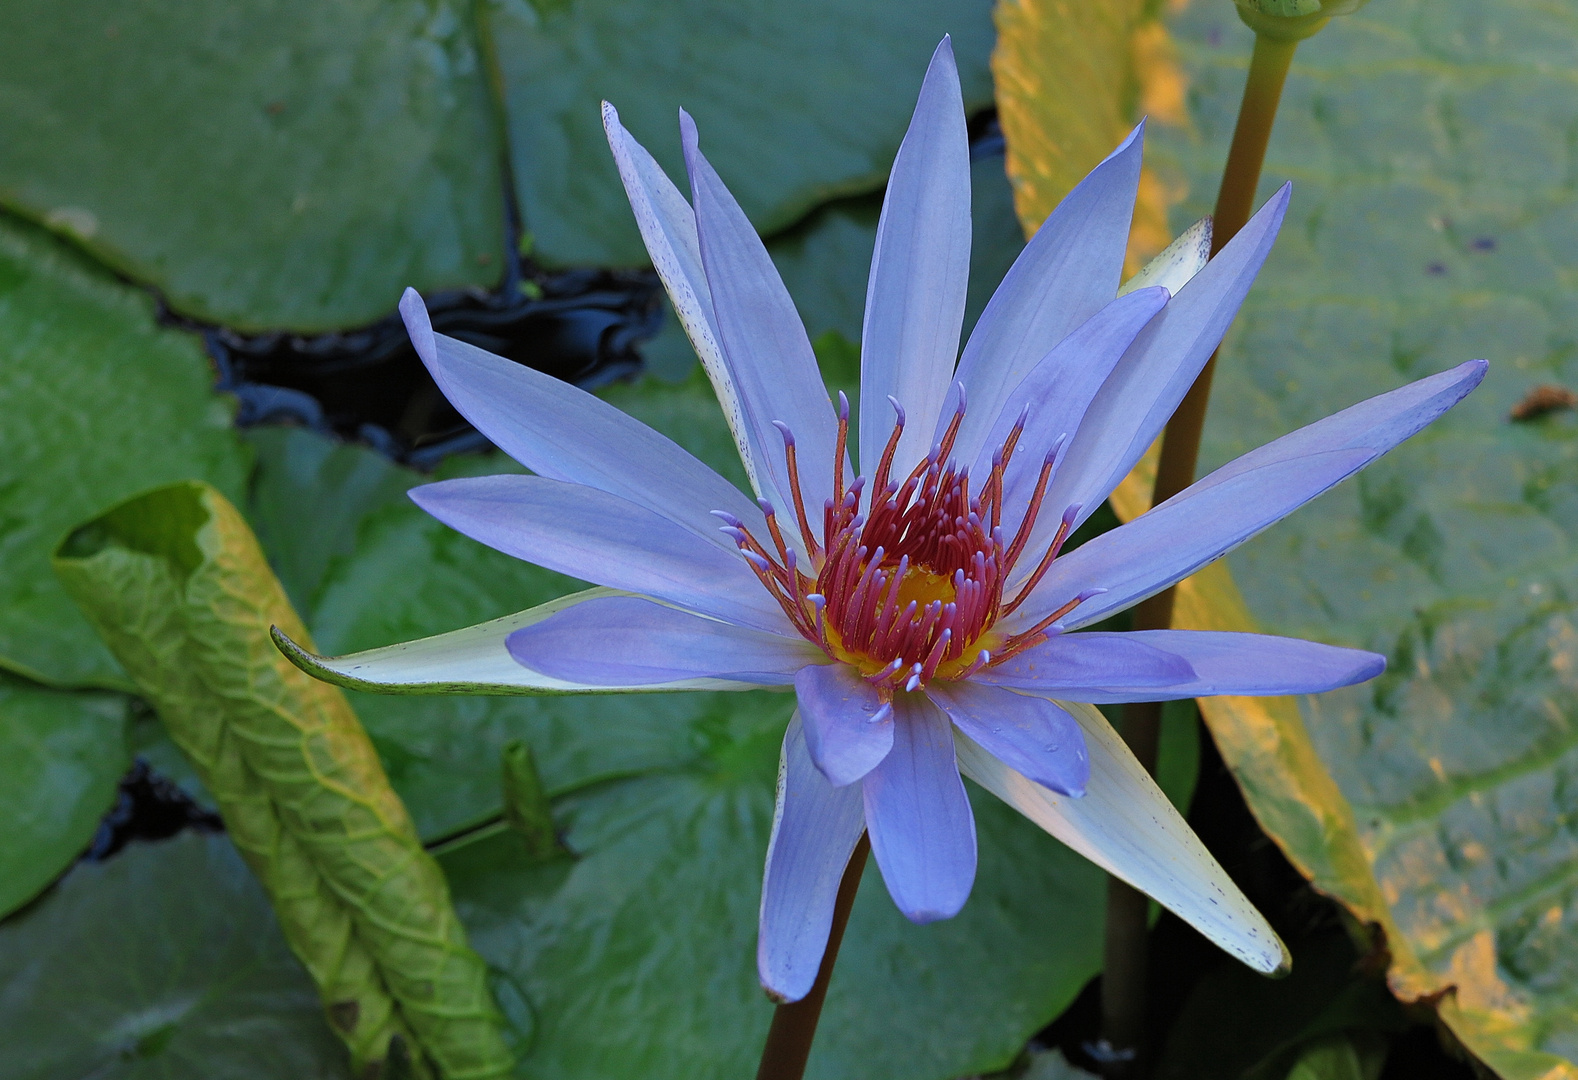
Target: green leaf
{"points": [[61, 754], [176, 583], [263, 165], [164, 963], [797, 103], [1429, 210], [99, 402], [638, 958]]}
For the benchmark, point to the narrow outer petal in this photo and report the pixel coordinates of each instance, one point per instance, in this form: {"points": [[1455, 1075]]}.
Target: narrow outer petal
{"points": [[1066, 273], [560, 431], [815, 829], [598, 537], [1057, 393], [668, 228], [920, 269], [1252, 665], [922, 828], [473, 660], [624, 640], [1029, 734], [1126, 826], [848, 728], [1174, 540], [1145, 388], [1374, 425], [1245, 496], [769, 358]]}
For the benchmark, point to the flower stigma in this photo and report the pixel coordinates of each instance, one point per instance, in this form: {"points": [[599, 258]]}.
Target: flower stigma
{"points": [[913, 590]]}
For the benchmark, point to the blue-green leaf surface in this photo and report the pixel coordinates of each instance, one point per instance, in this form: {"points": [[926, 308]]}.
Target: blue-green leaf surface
{"points": [[797, 102], [164, 963], [263, 163], [99, 402], [61, 754]]}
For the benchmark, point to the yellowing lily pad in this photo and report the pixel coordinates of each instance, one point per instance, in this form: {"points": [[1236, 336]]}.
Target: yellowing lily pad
{"points": [[1431, 223]]}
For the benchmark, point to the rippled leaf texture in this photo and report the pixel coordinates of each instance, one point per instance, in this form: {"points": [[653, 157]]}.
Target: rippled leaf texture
{"points": [[164, 963], [176, 583], [61, 754], [1072, 78], [1433, 220], [99, 403], [797, 102], [264, 163]]}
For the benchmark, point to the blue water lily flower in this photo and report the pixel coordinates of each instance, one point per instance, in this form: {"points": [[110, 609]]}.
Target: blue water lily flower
{"points": [[923, 609]]}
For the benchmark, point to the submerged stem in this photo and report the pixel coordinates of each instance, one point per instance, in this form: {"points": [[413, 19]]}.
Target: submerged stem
{"points": [[794, 1024], [1123, 988]]}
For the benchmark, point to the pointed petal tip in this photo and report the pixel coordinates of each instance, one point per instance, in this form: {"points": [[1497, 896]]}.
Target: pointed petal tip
{"points": [[305, 659], [413, 312]]}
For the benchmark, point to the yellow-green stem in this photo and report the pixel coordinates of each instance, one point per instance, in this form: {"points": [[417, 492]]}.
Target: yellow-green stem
{"points": [[1123, 988]]}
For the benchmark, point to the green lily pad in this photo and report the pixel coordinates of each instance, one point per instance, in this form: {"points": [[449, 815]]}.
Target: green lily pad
{"points": [[100, 402], [1431, 222], [61, 755], [797, 103], [164, 963], [263, 165], [638, 956]]}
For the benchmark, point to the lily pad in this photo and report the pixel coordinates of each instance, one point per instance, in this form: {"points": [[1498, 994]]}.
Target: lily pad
{"points": [[264, 165], [797, 102], [61, 755], [1431, 222], [100, 402], [164, 963], [638, 955]]}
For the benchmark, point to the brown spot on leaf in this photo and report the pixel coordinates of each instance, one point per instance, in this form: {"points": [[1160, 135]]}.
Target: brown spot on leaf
{"points": [[1545, 398]]}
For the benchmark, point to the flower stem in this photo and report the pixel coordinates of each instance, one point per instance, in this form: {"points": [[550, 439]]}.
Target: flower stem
{"points": [[1123, 985], [794, 1024]]}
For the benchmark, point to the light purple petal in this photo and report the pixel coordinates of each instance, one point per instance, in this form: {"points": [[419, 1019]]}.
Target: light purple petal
{"points": [[601, 538], [920, 269], [764, 344], [1092, 666], [668, 228], [1214, 663], [922, 828], [625, 640], [1376, 424], [1065, 274], [562, 432], [848, 727], [815, 829], [1177, 538], [1247, 495], [1145, 388], [1031, 735], [1057, 393]]}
